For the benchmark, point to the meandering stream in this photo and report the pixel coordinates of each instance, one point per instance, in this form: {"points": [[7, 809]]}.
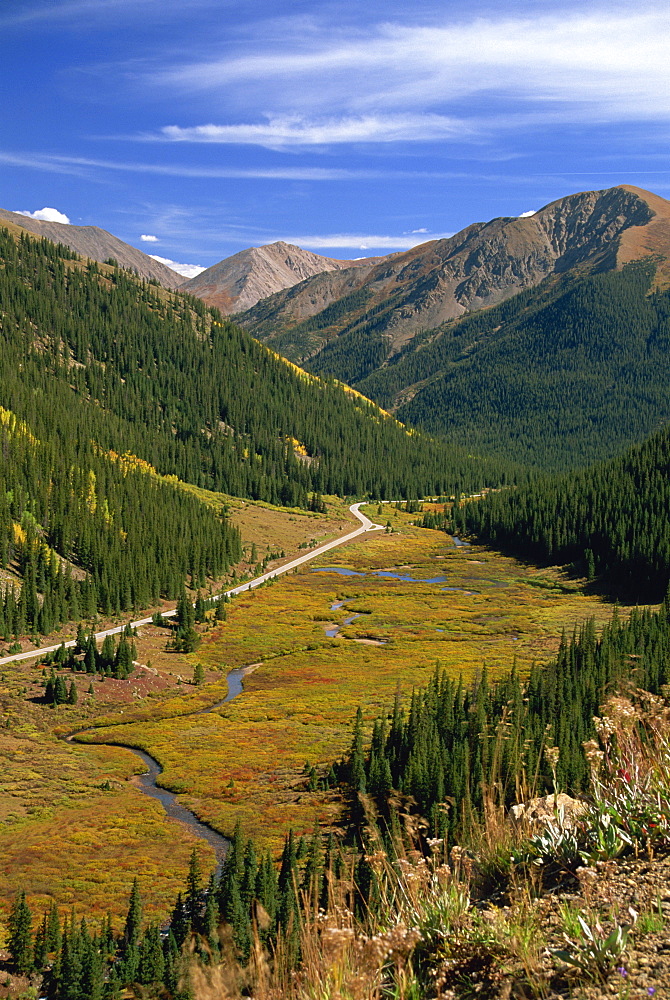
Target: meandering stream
{"points": [[146, 782]]}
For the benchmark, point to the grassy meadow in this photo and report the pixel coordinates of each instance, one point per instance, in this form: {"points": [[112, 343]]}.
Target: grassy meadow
{"points": [[72, 825], [73, 828], [246, 759]]}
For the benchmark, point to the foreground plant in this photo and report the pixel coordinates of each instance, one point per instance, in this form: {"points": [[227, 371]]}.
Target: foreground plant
{"points": [[594, 952], [630, 776]]}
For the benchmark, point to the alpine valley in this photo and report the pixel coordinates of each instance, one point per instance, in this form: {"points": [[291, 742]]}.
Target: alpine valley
{"points": [[319, 580]]}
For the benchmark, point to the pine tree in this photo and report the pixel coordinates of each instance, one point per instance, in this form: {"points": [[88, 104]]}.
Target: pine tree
{"points": [[20, 943], [151, 961], [131, 934], [59, 691]]}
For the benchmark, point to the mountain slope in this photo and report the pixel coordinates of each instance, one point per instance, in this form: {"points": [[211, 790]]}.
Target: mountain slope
{"points": [[559, 376], [382, 309], [238, 282], [90, 352], [98, 244], [611, 520], [112, 389]]}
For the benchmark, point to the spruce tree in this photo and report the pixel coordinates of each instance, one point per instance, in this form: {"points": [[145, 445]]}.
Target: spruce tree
{"points": [[20, 942]]}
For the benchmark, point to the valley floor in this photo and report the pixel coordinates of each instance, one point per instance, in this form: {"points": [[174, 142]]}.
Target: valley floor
{"points": [[462, 607]]}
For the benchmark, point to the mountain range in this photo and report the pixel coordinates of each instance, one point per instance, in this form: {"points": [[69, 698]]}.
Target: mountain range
{"points": [[522, 339], [239, 282], [480, 266], [525, 338]]}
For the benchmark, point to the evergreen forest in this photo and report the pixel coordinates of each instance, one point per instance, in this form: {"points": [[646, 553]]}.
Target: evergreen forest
{"points": [[111, 387], [545, 379], [611, 520], [89, 351]]}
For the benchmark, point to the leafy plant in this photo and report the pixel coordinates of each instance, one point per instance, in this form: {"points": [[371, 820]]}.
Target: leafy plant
{"points": [[594, 953], [603, 838], [556, 844]]}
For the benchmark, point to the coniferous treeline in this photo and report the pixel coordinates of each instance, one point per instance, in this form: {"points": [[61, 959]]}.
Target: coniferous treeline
{"points": [[91, 352], [557, 377], [89, 533], [453, 741], [250, 895], [611, 520]]}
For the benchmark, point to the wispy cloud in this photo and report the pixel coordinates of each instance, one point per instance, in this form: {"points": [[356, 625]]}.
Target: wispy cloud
{"points": [[46, 215], [146, 238], [78, 165], [63, 11], [297, 131], [593, 65], [188, 270], [359, 241]]}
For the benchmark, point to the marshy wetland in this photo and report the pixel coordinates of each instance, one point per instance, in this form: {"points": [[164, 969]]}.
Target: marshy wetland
{"points": [[411, 599]]}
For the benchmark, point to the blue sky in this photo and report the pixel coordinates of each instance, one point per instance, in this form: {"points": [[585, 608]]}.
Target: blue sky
{"points": [[348, 128]]}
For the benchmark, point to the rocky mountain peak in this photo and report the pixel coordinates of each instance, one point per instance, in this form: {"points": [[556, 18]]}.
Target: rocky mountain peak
{"points": [[480, 266], [239, 282]]}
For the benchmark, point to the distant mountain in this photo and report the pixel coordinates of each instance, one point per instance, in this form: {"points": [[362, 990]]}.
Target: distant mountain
{"points": [[98, 244], [541, 339], [377, 310], [238, 282]]}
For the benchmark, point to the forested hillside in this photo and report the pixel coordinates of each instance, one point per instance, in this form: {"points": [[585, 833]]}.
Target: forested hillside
{"points": [[454, 741], [90, 352], [611, 520], [557, 377], [88, 532], [108, 385]]}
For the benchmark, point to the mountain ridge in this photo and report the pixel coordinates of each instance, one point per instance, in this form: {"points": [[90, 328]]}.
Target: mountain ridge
{"points": [[97, 244], [480, 266], [237, 283]]}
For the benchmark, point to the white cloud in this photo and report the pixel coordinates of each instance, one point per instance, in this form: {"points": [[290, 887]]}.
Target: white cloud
{"points": [[422, 230], [293, 130], [527, 215], [79, 165], [148, 239], [358, 241], [597, 63], [188, 270], [47, 215]]}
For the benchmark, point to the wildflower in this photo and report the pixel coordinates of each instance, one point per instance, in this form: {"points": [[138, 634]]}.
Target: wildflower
{"points": [[622, 971], [651, 990]]}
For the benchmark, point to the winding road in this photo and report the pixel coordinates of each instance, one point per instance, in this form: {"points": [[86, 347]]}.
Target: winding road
{"points": [[366, 526], [147, 782]]}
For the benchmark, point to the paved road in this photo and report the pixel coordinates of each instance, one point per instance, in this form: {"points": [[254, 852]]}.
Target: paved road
{"points": [[366, 526]]}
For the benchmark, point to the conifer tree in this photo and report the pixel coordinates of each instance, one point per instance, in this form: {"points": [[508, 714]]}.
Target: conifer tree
{"points": [[20, 942]]}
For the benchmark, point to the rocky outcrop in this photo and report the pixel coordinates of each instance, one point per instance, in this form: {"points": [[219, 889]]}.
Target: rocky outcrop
{"points": [[558, 808], [239, 282]]}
